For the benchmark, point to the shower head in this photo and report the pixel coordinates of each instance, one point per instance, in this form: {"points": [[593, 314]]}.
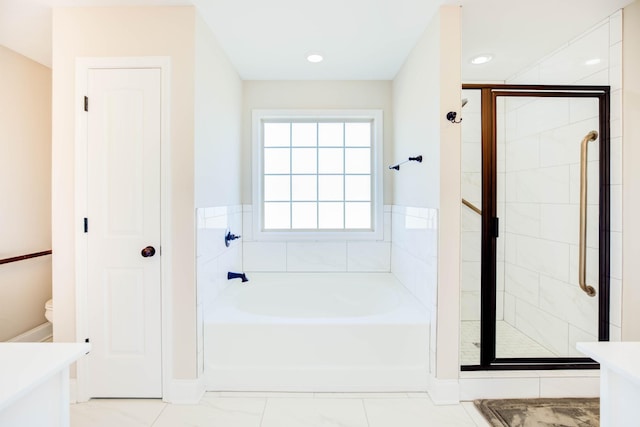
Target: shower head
{"points": [[464, 102]]}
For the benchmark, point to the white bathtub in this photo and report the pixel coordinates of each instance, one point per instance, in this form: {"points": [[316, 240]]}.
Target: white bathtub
{"points": [[316, 332]]}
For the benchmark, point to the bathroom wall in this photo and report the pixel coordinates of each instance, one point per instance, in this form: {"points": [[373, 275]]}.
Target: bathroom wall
{"points": [[25, 186], [118, 32], [310, 255], [217, 171], [631, 173], [426, 196], [218, 123], [317, 95], [542, 297]]}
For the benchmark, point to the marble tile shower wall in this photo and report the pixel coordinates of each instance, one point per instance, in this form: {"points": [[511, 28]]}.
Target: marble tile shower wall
{"points": [[470, 222], [542, 297], [214, 259], [316, 256], [414, 258]]}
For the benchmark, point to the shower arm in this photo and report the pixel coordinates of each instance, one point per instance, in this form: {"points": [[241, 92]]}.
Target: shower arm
{"points": [[582, 256]]}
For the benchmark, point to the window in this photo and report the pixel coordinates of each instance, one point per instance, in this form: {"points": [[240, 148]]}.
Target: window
{"points": [[318, 174]]}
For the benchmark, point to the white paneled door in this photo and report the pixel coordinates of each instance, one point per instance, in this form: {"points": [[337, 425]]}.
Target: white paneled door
{"points": [[123, 232]]}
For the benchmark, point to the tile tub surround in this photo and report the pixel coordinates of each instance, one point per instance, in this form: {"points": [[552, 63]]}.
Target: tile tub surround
{"points": [[414, 259], [261, 409], [317, 332], [316, 256], [214, 259]]}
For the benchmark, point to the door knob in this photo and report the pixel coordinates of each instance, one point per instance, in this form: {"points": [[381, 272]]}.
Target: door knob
{"points": [[148, 251]]}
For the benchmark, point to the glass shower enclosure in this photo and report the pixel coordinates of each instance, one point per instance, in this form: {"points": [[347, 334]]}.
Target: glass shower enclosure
{"points": [[535, 221]]}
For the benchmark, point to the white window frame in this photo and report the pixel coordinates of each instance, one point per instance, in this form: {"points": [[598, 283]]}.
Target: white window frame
{"points": [[376, 231]]}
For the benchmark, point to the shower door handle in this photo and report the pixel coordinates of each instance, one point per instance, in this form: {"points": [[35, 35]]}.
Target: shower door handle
{"points": [[582, 256]]}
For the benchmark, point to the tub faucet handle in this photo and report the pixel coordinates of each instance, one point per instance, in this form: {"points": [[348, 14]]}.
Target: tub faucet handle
{"points": [[229, 237]]}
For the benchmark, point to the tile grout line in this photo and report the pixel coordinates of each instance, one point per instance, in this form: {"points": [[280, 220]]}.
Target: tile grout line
{"points": [[476, 416], [264, 410], [366, 415], [165, 404]]}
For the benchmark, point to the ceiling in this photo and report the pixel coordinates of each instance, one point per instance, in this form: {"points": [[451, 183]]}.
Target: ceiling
{"points": [[360, 39]]}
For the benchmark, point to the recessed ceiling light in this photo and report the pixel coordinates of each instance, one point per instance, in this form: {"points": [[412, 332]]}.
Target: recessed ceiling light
{"points": [[481, 59], [592, 61], [314, 57]]}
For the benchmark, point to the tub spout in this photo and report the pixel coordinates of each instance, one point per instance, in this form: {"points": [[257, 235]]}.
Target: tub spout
{"points": [[231, 275]]}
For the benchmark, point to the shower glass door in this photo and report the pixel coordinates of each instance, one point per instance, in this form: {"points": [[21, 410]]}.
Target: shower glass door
{"points": [[541, 309], [544, 256]]}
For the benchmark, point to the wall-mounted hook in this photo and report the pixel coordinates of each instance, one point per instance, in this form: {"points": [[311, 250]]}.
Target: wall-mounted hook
{"points": [[451, 116]]}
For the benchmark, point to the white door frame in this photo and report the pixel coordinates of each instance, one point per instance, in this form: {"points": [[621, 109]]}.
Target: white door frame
{"points": [[83, 65]]}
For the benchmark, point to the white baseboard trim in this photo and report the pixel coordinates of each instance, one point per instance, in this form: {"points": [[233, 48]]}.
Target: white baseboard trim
{"points": [[40, 333], [185, 392], [444, 392]]}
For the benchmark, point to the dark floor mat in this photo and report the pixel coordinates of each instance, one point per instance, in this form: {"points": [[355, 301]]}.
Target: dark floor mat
{"points": [[567, 412]]}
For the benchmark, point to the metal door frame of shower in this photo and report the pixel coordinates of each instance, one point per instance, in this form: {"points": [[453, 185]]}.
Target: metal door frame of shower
{"points": [[489, 94]]}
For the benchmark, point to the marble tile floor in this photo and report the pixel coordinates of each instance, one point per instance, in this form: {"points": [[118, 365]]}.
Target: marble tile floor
{"points": [[226, 409], [510, 342]]}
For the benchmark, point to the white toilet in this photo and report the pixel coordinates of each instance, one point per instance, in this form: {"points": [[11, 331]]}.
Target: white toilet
{"points": [[48, 310]]}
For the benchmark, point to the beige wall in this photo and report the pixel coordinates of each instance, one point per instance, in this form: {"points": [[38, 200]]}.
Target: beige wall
{"points": [[631, 173], [218, 127], [425, 89], [25, 186], [316, 95], [450, 195], [118, 32]]}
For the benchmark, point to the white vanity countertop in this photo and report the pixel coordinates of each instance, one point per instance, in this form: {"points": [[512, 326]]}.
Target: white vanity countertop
{"points": [[620, 357], [23, 366]]}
